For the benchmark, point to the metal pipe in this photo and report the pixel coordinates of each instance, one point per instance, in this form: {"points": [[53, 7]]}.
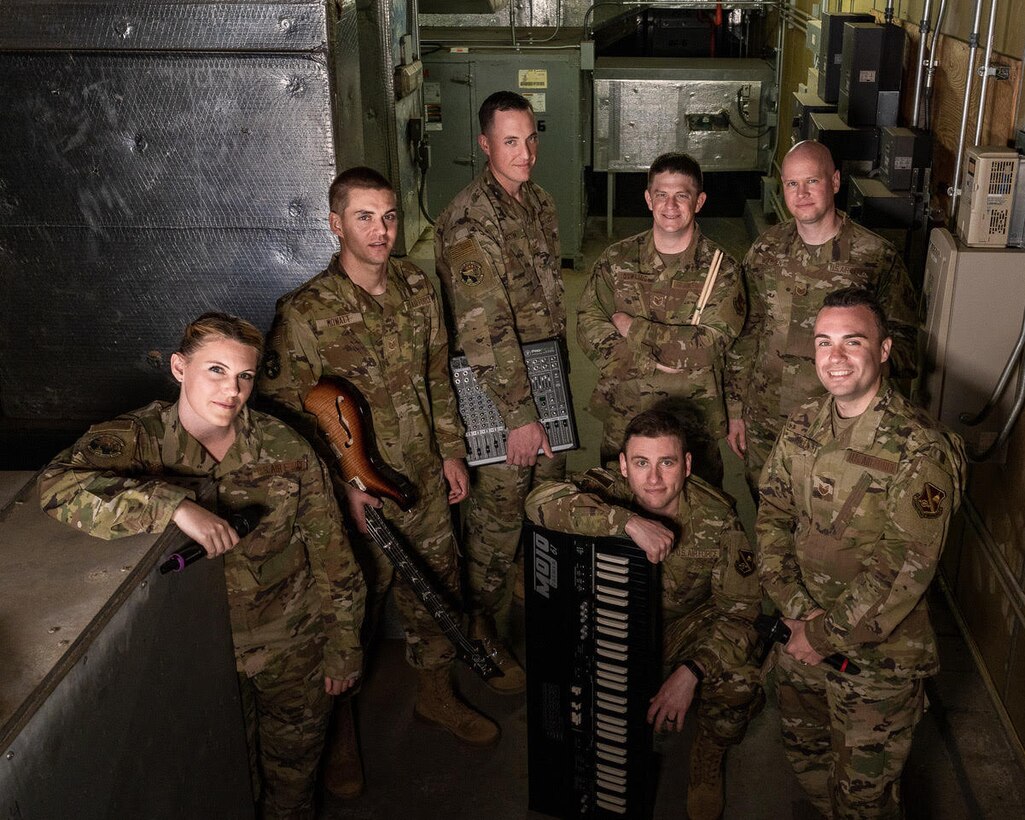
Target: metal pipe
{"points": [[512, 20], [985, 72], [923, 35], [930, 69], [973, 49], [888, 14]]}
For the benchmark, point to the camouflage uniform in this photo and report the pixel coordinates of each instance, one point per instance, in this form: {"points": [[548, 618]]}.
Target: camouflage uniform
{"points": [[294, 590], [499, 264], [710, 594], [631, 277], [772, 365], [853, 522], [394, 349]]}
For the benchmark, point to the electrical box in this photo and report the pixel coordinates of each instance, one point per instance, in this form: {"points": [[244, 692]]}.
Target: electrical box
{"points": [[831, 52], [1016, 233], [975, 299], [845, 142], [984, 211], [804, 106], [455, 85], [870, 73], [872, 204], [813, 37], [904, 154]]}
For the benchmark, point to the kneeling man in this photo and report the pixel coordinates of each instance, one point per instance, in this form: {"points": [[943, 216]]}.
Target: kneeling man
{"points": [[710, 594]]}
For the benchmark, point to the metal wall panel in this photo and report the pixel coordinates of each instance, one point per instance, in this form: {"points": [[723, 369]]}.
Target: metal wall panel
{"points": [[645, 107], [137, 190]]}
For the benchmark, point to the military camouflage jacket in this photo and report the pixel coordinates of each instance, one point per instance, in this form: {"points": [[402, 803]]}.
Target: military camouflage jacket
{"points": [[292, 578], [711, 558], [772, 364], [854, 525], [393, 348], [630, 277], [500, 266]]}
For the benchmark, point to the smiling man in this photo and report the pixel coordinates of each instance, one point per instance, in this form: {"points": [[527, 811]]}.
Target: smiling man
{"points": [[497, 252], [710, 593], [636, 319], [787, 272], [856, 501], [377, 322]]}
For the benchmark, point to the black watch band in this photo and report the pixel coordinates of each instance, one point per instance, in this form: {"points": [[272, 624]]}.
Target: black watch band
{"points": [[693, 667]]}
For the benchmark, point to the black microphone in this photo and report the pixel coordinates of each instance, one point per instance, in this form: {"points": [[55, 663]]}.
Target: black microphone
{"points": [[243, 522], [772, 628]]}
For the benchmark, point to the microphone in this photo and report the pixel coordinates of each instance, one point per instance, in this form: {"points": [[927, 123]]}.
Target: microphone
{"points": [[772, 628], [243, 522]]}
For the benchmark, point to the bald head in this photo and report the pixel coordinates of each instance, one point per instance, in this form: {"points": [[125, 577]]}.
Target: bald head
{"points": [[811, 151]]}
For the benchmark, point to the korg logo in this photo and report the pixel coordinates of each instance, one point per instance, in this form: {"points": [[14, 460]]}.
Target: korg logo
{"points": [[546, 571]]}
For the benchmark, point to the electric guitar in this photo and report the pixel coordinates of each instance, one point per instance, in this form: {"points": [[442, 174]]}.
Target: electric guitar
{"points": [[343, 417]]}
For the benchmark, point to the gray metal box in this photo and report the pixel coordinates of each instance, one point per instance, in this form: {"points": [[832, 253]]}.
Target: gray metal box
{"points": [[872, 204], [804, 106], [831, 51], [904, 153], [456, 83], [714, 110], [1016, 231]]}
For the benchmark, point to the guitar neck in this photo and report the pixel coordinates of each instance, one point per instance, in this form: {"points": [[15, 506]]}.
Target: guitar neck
{"points": [[383, 537]]}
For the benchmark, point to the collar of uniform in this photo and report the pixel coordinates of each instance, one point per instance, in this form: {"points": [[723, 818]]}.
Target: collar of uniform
{"points": [[651, 259], [528, 204], [353, 294], [863, 434], [194, 454]]}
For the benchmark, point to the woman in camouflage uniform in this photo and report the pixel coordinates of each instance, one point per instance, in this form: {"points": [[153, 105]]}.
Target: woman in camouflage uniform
{"points": [[296, 599]]}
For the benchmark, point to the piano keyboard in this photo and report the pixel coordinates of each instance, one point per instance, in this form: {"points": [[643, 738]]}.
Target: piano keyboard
{"points": [[593, 662]]}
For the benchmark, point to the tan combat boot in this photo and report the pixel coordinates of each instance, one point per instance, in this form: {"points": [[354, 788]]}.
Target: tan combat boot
{"points": [[438, 704], [513, 679], [705, 790], [343, 771]]}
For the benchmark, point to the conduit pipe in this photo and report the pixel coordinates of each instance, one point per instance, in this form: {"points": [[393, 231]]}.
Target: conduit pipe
{"points": [[923, 35], [973, 49], [930, 69], [985, 72]]}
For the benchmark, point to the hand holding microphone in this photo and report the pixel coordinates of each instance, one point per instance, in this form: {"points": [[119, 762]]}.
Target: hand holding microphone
{"points": [[242, 522], [773, 629]]}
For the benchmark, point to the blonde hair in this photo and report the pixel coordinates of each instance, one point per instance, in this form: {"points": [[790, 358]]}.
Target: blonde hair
{"points": [[216, 325]]}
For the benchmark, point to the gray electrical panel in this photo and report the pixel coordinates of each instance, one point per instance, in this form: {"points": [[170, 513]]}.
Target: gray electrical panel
{"points": [[715, 110], [457, 82]]}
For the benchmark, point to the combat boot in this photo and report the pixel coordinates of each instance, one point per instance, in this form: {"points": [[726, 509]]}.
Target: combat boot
{"points": [[513, 679], [438, 704], [705, 790], [343, 771]]}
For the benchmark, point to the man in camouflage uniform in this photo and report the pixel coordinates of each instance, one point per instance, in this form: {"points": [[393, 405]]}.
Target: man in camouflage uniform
{"points": [[497, 252], [638, 321], [787, 272], [295, 592], [710, 593], [856, 501], [376, 321]]}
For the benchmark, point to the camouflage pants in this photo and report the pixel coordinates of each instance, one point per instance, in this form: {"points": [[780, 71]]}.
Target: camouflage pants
{"points": [[726, 703], [493, 524], [847, 739], [425, 533], [286, 712], [702, 444]]}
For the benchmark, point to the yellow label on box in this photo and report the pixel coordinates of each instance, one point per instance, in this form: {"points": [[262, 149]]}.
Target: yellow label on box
{"points": [[533, 77]]}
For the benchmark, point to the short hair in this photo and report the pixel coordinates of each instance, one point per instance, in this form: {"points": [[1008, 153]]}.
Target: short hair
{"points": [[359, 177], [676, 162], [856, 296], [215, 325], [501, 101], [656, 423]]}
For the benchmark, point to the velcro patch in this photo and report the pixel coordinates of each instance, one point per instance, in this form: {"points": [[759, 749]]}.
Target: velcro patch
{"points": [[279, 467], [271, 363], [336, 321], [745, 563], [462, 251], [471, 272], [105, 445], [599, 478], [882, 465], [929, 502]]}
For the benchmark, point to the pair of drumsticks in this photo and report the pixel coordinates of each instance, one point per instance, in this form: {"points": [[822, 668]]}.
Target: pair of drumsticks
{"points": [[706, 290]]}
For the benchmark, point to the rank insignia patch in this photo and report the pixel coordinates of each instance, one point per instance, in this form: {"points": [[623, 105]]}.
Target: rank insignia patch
{"points": [[272, 363], [745, 563], [929, 502], [471, 272], [106, 445]]}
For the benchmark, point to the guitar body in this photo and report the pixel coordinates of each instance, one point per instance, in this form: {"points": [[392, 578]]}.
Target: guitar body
{"points": [[344, 418]]}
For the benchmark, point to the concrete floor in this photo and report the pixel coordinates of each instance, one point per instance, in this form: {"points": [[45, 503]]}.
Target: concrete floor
{"points": [[962, 764]]}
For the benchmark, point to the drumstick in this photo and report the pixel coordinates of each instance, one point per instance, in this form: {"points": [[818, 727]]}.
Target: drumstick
{"points": [[706, 291]]}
